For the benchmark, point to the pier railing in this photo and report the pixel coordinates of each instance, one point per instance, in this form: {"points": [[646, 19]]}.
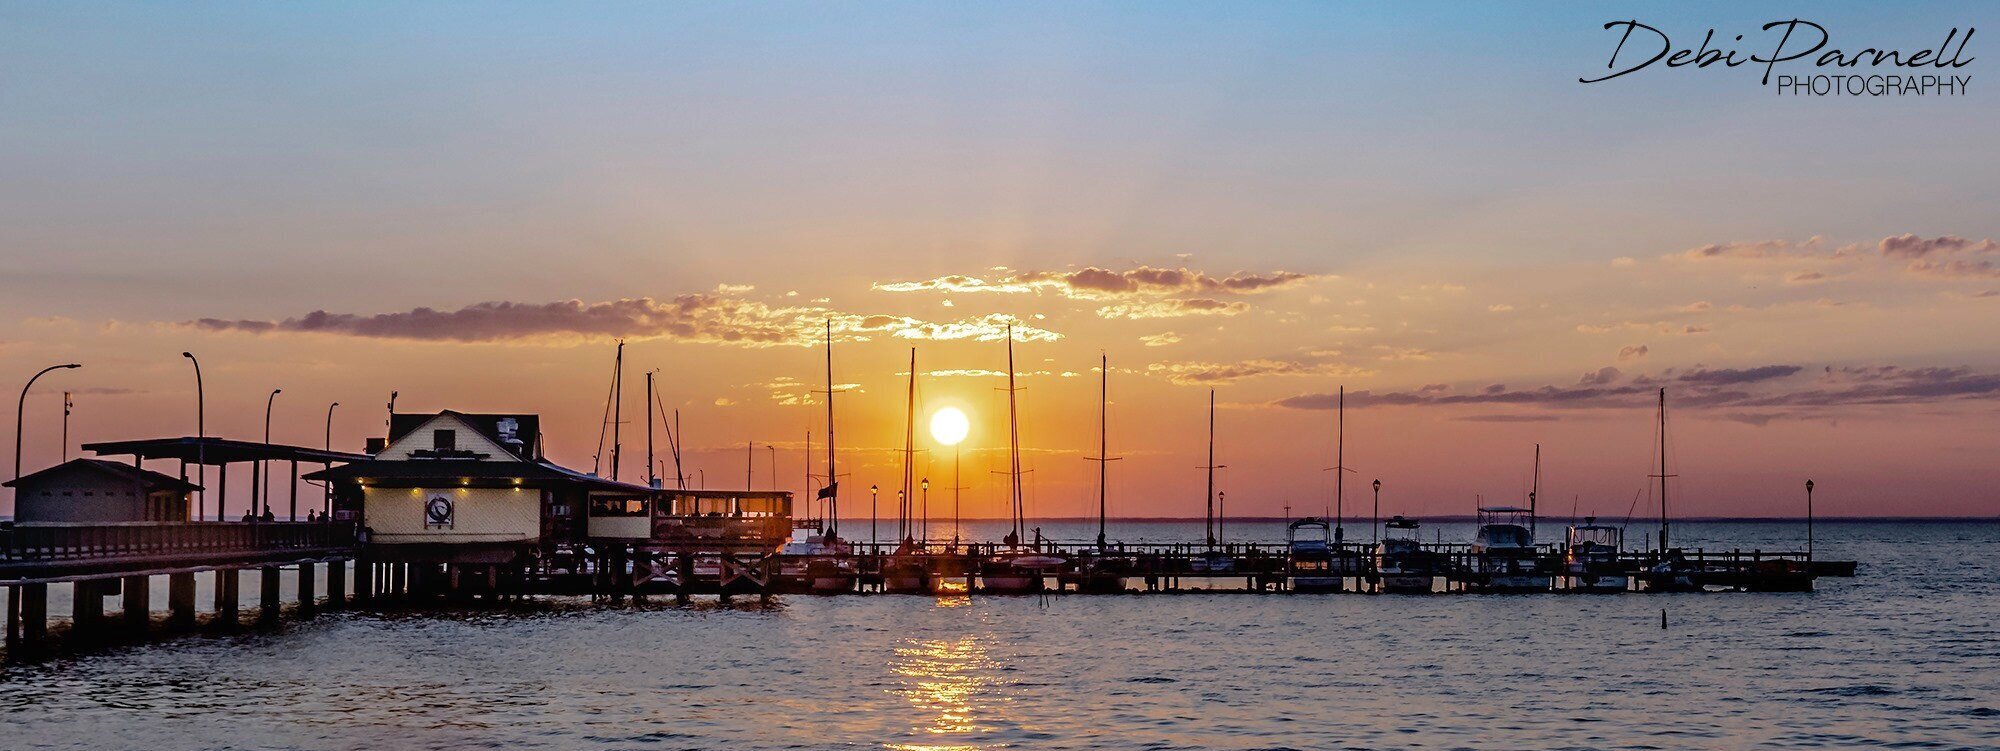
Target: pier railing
{"points": [[41, 549]]}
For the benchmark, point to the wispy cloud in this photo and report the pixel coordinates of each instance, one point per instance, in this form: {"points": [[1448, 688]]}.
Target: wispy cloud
{"points": [[1161, 339], [1175, 308], [1093, 283], [1768, 387], [702, 318], [1218, 373]]}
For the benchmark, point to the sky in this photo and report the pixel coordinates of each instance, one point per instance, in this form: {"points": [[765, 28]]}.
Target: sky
{"points": [[1419, 203]]}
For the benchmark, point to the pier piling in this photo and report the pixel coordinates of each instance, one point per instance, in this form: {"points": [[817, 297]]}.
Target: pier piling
{"points": [[180, 600], [138, 604]]}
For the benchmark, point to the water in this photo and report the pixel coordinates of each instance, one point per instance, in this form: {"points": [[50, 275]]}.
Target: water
{"points": [[1906, 655]]}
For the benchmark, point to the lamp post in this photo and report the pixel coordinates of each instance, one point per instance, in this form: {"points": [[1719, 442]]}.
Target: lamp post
{"points": [[200, 438], [1809, 522], [1378, 512], [874, 492], [927, 510], [265, 488], [1221, 514], [21, 411], [328, 485]]}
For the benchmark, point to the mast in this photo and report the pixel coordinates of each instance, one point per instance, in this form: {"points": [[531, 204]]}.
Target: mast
{"points": [[651, 478], [1663, 470], [617, 404], [749, 462], [1013, 443], [807, 487], [908, 495], [674, 437], [1340, 467], [1534, 489], [1103, 456], [1211, 468], [832, 490]]}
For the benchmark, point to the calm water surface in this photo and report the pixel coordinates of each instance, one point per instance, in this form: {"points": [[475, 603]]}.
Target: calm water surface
{"points": [[1907, 656]]}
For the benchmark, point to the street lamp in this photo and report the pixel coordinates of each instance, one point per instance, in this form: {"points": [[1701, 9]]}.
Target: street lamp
{"points": [[261, 467], [1221, 513], [1809, 524], [328, 485], [21, 411], [873, 492], [927, 510], [1378, 511], [201, 439]]}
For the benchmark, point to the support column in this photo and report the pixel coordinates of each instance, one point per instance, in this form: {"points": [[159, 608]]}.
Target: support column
{"points": [[364, 580], [221, 491], [180, 600], [228, 591], [138, 604], [34, 613], [336, 585], [86, 608], [13, 619], [295, 490], [269, 593], [308, 600], [398, 578]]}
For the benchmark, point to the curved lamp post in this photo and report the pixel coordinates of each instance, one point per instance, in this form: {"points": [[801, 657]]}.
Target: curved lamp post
{"points": [[266, 481], [21, 411], [201, 438]]}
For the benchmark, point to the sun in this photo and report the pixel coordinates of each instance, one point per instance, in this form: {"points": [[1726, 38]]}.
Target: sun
{"points": [[949, 426]]}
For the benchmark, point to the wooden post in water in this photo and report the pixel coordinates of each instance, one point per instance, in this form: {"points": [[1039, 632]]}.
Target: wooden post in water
{"points": [[228, 593], [180, 599], [34, 613], [308, 600], [336, 585], [138, 603], [86, 607], [268, 593]]}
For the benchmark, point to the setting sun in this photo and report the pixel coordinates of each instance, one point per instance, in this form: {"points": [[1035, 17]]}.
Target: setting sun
{"points": [[949, 426]]}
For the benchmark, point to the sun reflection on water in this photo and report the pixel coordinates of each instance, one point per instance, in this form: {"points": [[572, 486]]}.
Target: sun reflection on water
{"points": [[943, 680]]}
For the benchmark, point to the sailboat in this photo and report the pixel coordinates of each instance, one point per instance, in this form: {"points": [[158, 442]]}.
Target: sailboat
{"points": [[906, 571], [1212, 560], [1018, 570], [1103, 571], [829, 567], [1503, 550], [1671, 571]]}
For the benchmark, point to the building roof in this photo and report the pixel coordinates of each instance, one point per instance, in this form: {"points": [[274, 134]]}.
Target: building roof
{"points": [[218, 451], [147, 478], [467, 469], [527, 428], [725, 493]]}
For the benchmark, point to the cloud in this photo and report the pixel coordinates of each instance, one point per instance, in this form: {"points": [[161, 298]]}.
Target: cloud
{"points": [[1805, 277], [1499, 308], [700, 318], [1161, 339], [1601, 376], [1757, 250], [1726, 376], [1766, 388], [1911, 246], [1507, 418], [1634, 352], [1216, 374], [1175, 308], [1093, 283]]}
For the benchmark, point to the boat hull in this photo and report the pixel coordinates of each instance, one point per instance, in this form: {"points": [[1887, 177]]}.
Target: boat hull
{"points": [[1406, 584], [1599, 584], [1315, 584], [1517, 583]]}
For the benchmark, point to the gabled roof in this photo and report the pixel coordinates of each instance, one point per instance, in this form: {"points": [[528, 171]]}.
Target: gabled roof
{"points": [[419, 470], [527, 428], [213, 450], [147, 478]]}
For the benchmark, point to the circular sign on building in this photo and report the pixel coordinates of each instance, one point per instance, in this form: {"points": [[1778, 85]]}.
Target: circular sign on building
{"points": [[438, 512]]}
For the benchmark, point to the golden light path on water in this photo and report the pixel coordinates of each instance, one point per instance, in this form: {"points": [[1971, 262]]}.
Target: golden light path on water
{"points": [[944, 680]]}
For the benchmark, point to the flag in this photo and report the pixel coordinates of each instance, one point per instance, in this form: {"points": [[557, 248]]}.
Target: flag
{"points": [[828, 491]]}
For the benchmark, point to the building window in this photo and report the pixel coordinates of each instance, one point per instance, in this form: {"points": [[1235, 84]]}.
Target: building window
{"points": [[444, 440]]}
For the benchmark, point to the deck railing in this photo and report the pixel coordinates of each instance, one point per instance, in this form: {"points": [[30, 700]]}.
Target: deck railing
{"points": [[52, 543]]}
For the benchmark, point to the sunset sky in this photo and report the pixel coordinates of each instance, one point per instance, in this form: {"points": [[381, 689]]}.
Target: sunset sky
{"points": [[469, 203]]}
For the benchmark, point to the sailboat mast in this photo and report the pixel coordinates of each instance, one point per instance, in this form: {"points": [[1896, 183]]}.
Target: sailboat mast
{"points": [[649, 431], [832, 476], [1340, 467], [1663, 470], [617, 404], [908, 495], [1534, 489], [1014, 441], [1103, 439], [1211, 467]]}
